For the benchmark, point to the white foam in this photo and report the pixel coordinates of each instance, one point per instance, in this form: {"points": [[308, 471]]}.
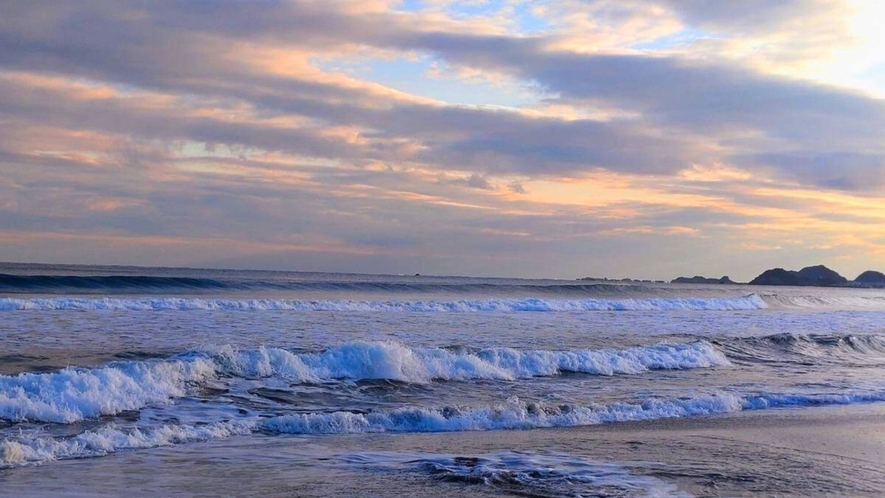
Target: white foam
{"points": [[514, 414], [783, 400], [606, 361], [750, 302], [519, 414], [73, 394], [828, 302], [394, 361], [110, 439], [523, 473]]}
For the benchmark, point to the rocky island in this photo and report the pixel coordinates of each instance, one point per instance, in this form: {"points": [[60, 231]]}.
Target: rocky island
{"points": [[818, 276], [810, 276], [870, 278]]}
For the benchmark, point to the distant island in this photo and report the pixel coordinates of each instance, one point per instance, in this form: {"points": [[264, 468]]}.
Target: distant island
{"points": [[871, 278], [818, 276], [810, 276]]}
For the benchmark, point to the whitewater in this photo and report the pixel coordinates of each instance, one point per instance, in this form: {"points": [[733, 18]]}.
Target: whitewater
{"points": [[108, 364]]}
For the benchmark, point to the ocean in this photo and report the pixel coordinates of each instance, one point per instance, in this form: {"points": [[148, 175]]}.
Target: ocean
{"points": [[184, 382]]}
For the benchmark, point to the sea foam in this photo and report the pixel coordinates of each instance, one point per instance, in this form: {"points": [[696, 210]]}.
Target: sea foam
{"points": [[749, 302], [520, 414], [394, 361], [514, 414], [523, 473], [73, 394], [110, 439]]}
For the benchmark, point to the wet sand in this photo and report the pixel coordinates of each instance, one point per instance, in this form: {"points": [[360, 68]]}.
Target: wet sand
{"points": [[826, 451]]}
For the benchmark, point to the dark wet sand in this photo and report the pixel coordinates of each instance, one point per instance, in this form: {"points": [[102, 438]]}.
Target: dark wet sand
{"points": [[827, 451]]}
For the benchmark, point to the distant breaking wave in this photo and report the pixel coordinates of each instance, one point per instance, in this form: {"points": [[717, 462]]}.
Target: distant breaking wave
{"points": [[30, 283], [750, 302], [74, 394], [62, 283]]}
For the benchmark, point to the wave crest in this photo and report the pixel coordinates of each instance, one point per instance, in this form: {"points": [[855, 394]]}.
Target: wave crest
{"points": [[74, 394], [111, 439], [750, 302], [519, 414]]}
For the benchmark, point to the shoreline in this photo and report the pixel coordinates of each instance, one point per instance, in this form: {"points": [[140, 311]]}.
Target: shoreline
{"points": [[838, 450]]}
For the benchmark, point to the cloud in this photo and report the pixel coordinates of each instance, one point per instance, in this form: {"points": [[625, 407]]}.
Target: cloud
{"points": [[681, 102], [214, 121]]}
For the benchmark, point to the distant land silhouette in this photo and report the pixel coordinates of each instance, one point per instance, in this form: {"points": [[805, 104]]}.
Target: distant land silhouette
{"points": [[871, 277], [697, 279], [819, 276], [810, 276]]}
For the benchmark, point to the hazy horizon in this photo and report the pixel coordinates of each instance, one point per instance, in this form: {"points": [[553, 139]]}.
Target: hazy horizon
{"points": [[613, 278]]}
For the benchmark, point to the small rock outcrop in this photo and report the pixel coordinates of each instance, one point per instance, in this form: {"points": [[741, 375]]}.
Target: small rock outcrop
{"points": [[819, 275], [697, 279]]}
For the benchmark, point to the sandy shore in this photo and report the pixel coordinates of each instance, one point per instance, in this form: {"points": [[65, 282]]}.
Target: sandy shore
{"points": [[826, 451]]}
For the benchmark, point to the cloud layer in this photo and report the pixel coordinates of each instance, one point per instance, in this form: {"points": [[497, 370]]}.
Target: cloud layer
{"points": [[648, 138]]}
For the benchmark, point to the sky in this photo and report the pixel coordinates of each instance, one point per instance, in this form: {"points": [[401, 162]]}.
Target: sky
{"points": [[569, 138]]}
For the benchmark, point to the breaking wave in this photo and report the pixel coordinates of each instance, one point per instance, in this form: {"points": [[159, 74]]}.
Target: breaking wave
{"points": [[750, 302], [393, 361], [831, 302], [308, 283], [514, 414], [804, 348], [741, 303], [111, 439], [74, 394], [519, 414], [31, 283]]}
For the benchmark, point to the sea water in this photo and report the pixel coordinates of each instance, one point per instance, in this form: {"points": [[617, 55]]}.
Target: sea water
{"points": [[331, 371]]}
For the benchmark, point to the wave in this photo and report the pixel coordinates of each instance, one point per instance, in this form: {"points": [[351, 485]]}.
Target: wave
{"points": [[804, 348], [514, 414], [30, 283], [824, 302], [60, 283], [111, 439], [518, 414], [534, 304], [750, 302], [394, 361], [74, 394]]}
